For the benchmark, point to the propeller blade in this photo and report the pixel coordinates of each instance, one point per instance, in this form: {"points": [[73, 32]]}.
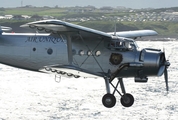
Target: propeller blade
{"points": [[166, 64], [161, 70], [166, 79]]}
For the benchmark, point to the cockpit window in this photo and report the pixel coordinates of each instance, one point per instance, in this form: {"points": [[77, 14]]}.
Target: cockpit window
{"points": [[121, 44], [116, 44]]}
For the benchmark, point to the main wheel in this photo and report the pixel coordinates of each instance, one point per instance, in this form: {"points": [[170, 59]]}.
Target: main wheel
{"points": [[127, 100], [109, 100]]}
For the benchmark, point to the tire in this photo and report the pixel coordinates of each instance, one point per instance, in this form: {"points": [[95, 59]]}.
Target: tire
{"points": [[109, 100], [127, 100]]}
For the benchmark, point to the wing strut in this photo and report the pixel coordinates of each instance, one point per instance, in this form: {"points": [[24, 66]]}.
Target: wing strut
{"points": [[69, 49], [92, 53]]}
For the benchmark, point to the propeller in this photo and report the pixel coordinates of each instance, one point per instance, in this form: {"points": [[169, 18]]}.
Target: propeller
{"points": [[166, 64], [163, 69]]}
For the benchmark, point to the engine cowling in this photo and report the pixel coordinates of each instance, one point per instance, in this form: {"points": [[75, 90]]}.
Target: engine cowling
{"points": [[152, 60]]}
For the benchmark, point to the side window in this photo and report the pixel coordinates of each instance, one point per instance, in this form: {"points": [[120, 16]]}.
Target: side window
{"points": [[119, 44], [130, 45]]}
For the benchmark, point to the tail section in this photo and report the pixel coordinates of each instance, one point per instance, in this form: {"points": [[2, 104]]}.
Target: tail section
{"points": [[1, 30], [4, 29]]}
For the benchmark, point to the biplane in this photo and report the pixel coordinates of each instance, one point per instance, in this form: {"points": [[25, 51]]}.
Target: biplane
{"points": [[71, 50]]}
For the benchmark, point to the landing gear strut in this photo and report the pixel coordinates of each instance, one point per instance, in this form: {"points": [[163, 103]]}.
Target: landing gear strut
{"points": [[109, 100]]}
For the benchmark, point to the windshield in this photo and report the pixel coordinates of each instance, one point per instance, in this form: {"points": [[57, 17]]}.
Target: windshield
{"points": [[135, 43]]}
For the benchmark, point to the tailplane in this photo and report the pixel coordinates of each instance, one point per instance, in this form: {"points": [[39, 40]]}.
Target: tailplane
{"points": [[4, 29]]}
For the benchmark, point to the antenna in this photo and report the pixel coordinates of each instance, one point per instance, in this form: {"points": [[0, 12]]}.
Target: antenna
{"points": [[22, 3]]}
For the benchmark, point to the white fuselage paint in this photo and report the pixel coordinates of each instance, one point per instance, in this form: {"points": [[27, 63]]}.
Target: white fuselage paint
{"points": [[30, 51]]}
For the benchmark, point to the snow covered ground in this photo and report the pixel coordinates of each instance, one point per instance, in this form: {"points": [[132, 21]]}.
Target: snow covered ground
{"points": [[26, 95]]}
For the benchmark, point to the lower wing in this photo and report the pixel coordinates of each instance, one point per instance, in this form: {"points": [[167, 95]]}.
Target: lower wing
{"points": [[68, 70]]}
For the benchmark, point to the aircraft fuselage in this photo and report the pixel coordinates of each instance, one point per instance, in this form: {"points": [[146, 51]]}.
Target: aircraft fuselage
{"points": [[33, 51]]}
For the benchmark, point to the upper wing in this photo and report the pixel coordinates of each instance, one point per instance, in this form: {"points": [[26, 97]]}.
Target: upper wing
{"points": [[135, 34], [65, 27], [55, 26]]}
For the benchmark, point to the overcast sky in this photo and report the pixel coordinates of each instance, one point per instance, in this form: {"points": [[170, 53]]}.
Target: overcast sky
{"points": [[96, 3]]}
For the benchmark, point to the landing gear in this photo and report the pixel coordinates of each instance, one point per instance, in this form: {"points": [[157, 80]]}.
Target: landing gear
{"points": [[109, 99]]}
